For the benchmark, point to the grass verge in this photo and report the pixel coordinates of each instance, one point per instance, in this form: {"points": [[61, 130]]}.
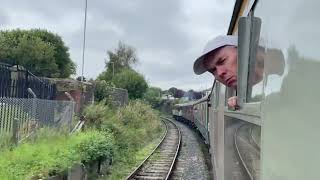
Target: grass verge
{"points": [[122, 168]]}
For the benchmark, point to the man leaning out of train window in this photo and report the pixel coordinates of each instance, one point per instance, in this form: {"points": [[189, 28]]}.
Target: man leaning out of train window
{"points": [[219, 57]]}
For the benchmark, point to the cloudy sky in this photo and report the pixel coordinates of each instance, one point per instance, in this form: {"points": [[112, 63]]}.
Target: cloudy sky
{"points": [[166, 34]]}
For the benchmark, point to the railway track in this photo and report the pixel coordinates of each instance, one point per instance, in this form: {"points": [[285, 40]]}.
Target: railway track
{"points": [[247, 151], [255, 136], [159, 164]]}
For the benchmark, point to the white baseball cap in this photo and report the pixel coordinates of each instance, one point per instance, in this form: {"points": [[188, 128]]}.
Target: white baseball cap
{"points": [[213, 44]]}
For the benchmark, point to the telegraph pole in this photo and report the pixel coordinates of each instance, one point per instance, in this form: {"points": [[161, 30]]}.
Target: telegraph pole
{"points": [[84, 38]]}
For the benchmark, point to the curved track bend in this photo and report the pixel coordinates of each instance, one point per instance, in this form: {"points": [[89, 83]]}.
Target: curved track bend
{"points": [[159, 164], [247, 150]]}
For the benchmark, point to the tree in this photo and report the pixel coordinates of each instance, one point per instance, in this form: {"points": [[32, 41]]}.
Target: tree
{"points": [[172, 91], [175, 92], [179, 93], [40, 51], [103, 91], [119, 71], [132, 81], [123, 57], [153, 96]]}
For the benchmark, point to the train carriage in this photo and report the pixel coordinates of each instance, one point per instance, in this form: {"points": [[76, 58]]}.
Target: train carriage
{"points": [[201, 117], [273, 134], [195, 114], [278, 116], [184, 113]]}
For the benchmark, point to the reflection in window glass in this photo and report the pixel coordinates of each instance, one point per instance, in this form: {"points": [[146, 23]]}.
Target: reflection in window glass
{"points": [[291, 106]]}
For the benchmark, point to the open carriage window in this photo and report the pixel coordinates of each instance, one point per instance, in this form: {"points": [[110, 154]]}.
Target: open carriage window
{"points": [[250, 60]]}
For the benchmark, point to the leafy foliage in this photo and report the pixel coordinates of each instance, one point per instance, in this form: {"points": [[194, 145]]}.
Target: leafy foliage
{"points": [[125, 123], [176, 93], [132, 81], [95, 145], [5, 140], [40, 51], [103, 91], [96, 114], [53, 152], [133, 126], [153, 96], [123, 57], [119, 71]]}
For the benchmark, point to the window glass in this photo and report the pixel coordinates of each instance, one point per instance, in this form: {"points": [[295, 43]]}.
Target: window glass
{"points": [[290, 114]]}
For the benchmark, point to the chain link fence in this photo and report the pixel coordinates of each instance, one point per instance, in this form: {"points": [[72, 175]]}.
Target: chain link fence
{"points": [[20, 117]]}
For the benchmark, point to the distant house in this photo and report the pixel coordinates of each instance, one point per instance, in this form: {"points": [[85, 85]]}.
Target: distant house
{"points": [[167, 96]]}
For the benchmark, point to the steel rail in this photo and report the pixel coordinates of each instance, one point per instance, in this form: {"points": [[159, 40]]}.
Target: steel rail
{"points": [[238, 151], [253, 139], [141, 164], [144, 162], [178, 147]]}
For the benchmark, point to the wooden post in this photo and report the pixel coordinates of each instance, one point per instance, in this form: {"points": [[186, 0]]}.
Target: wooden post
{"points": [[15, 131]]}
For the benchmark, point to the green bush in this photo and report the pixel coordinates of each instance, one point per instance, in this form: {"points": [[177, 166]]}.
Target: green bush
{"points": [[103, 91], [153, 97], [143, 122], [132, 81], [133, 126], [97, 113], [5, 140], [52, 153], [95, 145]]}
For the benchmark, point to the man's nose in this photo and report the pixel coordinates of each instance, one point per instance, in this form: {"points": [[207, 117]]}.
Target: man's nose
{"points": [[221, 72]]}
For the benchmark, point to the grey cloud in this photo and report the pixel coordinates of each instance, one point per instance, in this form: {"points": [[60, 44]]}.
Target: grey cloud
{"points": [[161, 29], [152, 24], [4, 19], [49, 9]]}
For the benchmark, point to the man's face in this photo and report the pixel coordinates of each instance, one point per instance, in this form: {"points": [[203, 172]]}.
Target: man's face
{"points": [[223, 65]]}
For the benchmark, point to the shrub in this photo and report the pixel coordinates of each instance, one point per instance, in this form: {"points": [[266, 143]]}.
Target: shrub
{"points": [[54, 153], [103, 91], [97, 113], [5, 140], [133, 126], [95, 145]]}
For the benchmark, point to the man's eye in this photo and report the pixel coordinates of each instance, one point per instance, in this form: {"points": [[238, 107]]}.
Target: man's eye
{"points": [[221, 61]]}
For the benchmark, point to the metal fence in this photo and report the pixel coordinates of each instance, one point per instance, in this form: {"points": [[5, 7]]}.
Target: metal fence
{"points": [[15, 80], [19, 117]]}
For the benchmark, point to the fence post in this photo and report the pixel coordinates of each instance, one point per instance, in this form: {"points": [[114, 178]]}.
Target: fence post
{"points": [[34, 103], [26, 83], [72, 109], [15, 131]]}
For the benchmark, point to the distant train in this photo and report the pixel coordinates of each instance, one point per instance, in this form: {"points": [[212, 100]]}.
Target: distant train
{"points": [[195, 114], [274, 133]]}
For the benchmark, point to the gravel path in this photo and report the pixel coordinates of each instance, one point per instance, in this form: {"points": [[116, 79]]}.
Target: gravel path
{"points": [[193, 160]]}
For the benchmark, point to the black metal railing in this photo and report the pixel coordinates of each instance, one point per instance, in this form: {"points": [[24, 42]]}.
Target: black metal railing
{"points": [[15, 81]]}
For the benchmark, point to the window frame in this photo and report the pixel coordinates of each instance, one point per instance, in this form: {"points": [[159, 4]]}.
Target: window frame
{"points": [[249, 111]]}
